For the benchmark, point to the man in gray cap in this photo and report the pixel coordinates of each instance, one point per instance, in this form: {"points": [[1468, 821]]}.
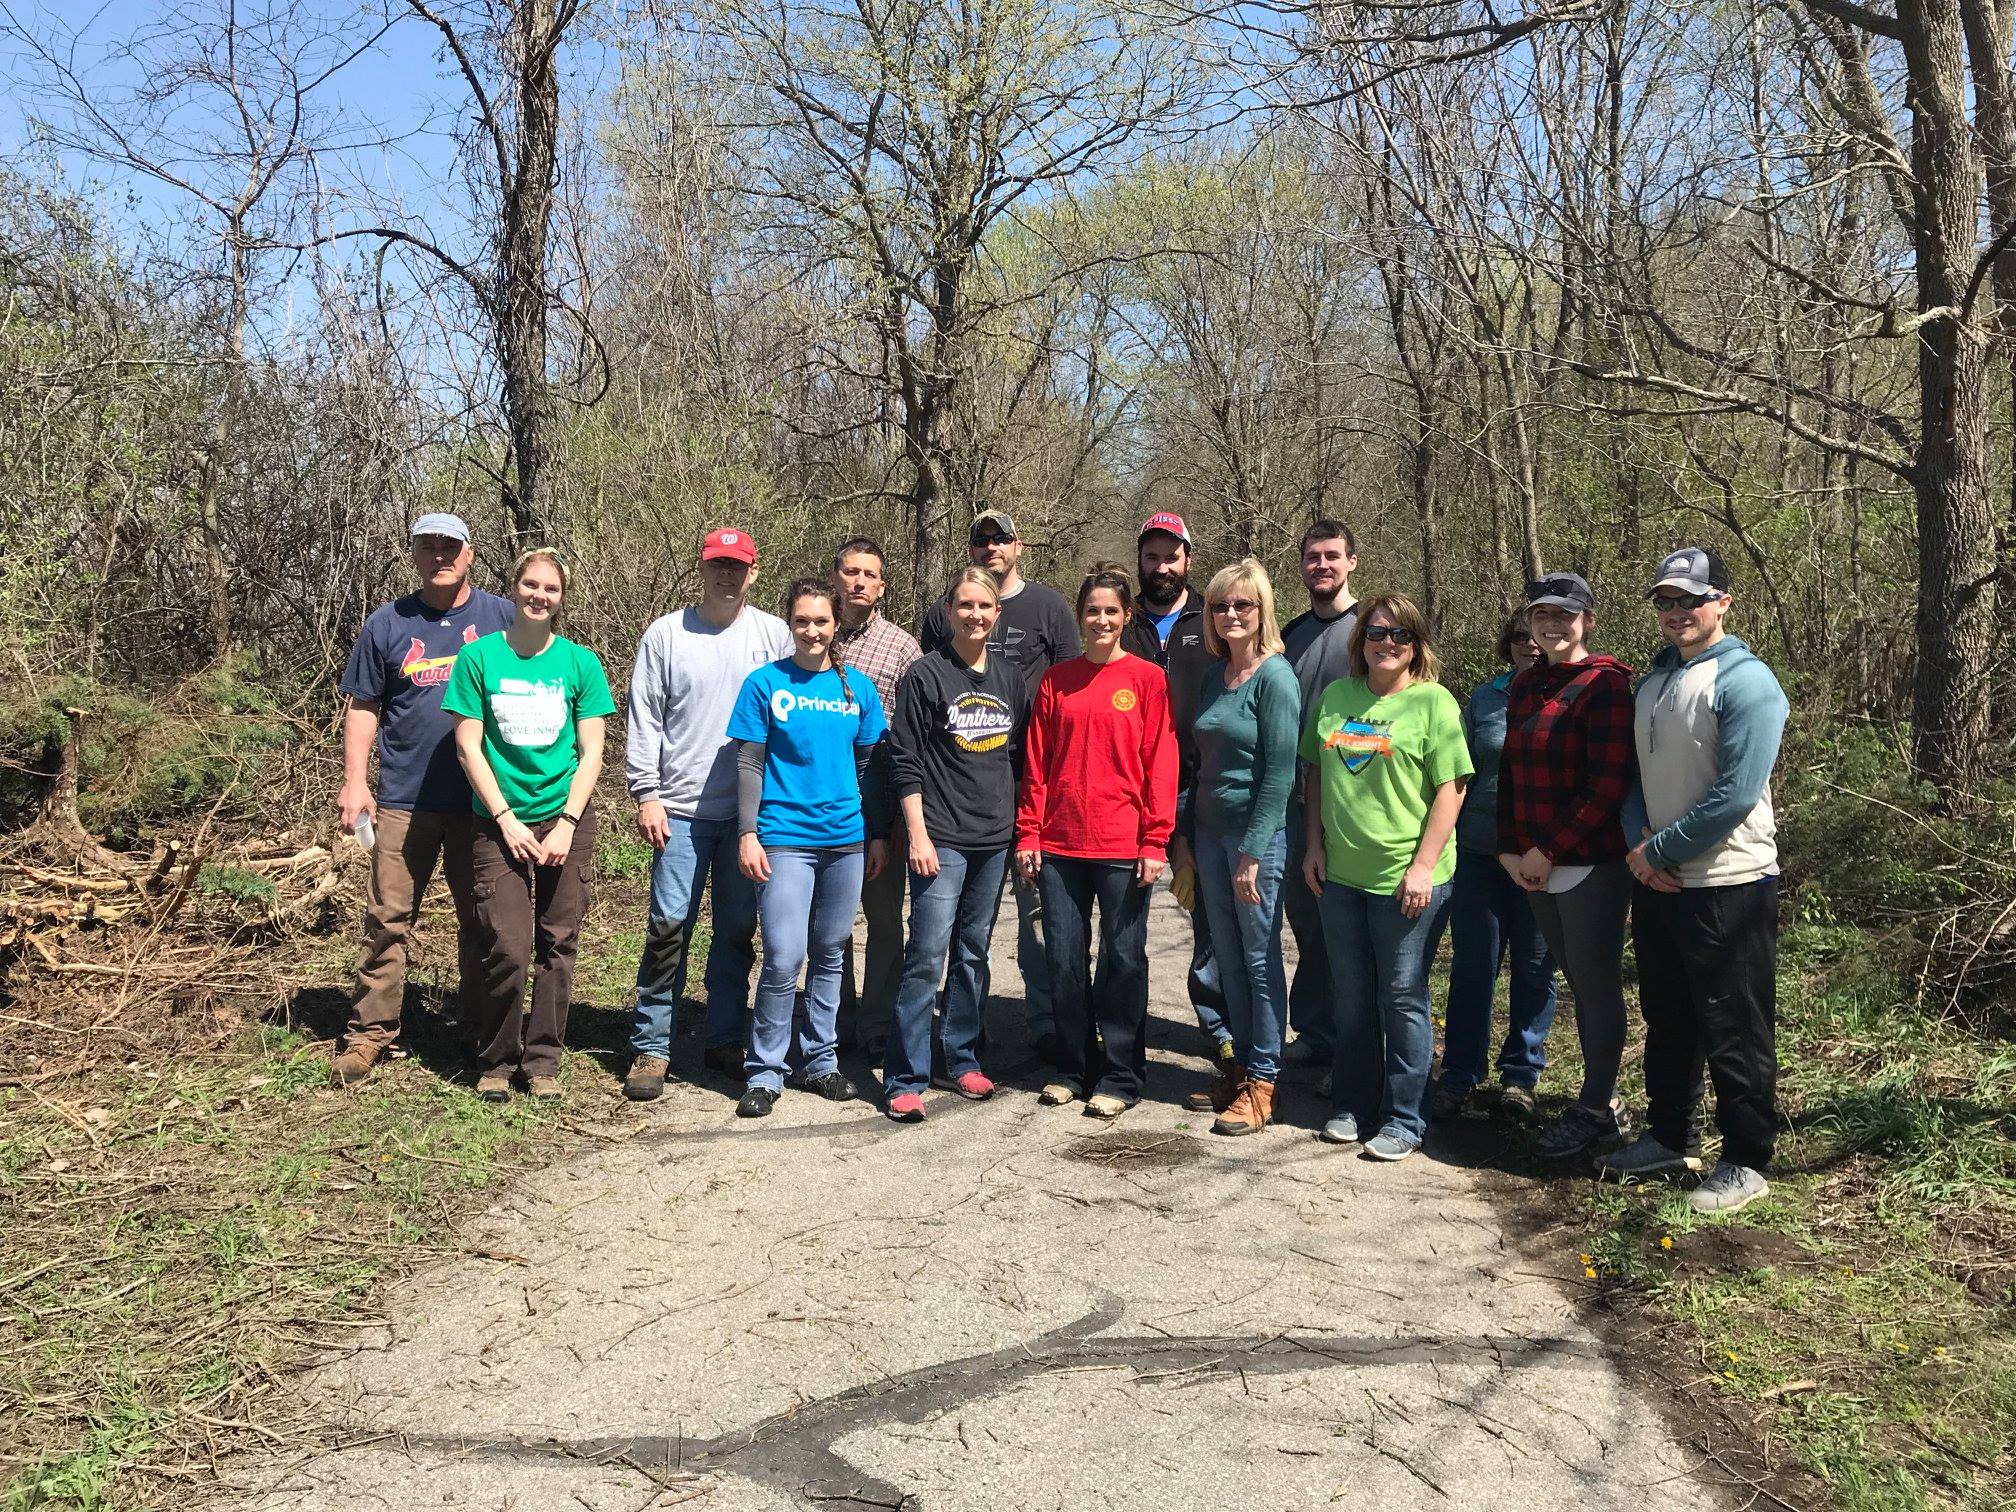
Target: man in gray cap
{"points": [[421, 811]]}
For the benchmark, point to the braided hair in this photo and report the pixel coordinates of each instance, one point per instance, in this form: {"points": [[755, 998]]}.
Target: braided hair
{"points": [[818, 587]]}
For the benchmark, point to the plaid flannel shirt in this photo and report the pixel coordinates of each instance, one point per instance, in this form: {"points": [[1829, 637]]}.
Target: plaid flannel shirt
{"points": [[1569, 760], [881, 649]]}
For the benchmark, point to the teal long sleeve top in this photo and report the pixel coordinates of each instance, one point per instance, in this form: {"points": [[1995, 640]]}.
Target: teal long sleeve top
{"points": [[1245, 740]]}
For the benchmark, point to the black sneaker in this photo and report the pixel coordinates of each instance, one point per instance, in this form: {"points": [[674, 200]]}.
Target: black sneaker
{"points": [[725, 1060], [1576, 1131], [756, 1103], [1449, 1102], [833, 1086]]}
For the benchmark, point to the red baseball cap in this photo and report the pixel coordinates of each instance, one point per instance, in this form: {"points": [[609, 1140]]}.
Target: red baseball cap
{"points": [[1170, 523], [734, 545]]}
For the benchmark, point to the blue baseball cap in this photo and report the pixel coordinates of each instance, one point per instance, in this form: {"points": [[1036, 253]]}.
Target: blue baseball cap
{"points": [[447, 525]]}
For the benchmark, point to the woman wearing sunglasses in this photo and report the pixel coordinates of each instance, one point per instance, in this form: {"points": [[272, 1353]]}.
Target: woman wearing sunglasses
{"points": [[1490, 919], [1387, 765], [1249, 709], [1568, 767]]}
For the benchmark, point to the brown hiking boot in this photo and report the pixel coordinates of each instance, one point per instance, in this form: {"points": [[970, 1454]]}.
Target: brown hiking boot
{"points": [[546, 1088], [354, 1064], [646, 1079], [494, 1086], [1251, 1111], [1217, 1097]]}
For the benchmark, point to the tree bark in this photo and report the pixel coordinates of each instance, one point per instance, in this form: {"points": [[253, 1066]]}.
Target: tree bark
{"points": [[521, 285]]}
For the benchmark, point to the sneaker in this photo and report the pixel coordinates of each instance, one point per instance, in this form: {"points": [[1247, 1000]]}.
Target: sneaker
{"points": [[547, 1088], [1105, 1105], [756, 1102], [1449, 1102], [1515, 1099], [972, 1085], [1341, 1130], [494, 1086], [1389, 1146], [1056, 1094], [354, 1064], [1574, 1132], [1048, 1047], [646, 1080], [725, 1060], [1642, 1159], [1729, 1189], [833, 1086], [905, 1107], [1306, 1050]]}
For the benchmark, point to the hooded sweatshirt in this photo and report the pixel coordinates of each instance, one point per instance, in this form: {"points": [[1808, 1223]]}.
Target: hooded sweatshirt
{"points": [[1567, 764], [1707, 733]]}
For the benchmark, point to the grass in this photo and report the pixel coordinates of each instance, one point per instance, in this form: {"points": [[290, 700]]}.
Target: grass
{"points": [[1861, 1315], [176, 1234]]}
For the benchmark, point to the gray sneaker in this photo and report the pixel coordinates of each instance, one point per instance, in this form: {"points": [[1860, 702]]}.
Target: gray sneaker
{"points": [[1728, 1189], [1343, 1129], [1574, 1132], [1389, 1147], [1642, 1159]]}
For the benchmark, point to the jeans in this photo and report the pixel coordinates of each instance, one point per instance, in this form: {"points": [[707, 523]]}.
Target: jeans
{"points": [[1256, 986], [1385, 1037], [1490, 920], [951, 913], [694, 848], [1030, 954], [1708, 987], [1102, 1017], [1312, 1004], [807, 909], [1205, 980], [1584, 927]]}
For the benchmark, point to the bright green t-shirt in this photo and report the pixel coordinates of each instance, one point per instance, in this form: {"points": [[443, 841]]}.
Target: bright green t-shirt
{"points": [[1381, 760], [528, 705]]}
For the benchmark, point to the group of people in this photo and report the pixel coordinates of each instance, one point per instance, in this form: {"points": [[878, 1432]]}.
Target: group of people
{"points": [[805, 767]]}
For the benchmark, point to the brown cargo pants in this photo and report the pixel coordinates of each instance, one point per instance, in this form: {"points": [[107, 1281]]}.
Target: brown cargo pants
{"points": [[410, 843], [528, 919]]}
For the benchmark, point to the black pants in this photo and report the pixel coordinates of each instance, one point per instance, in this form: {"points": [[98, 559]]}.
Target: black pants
{"points": [[1102, 1019], [1708, 987]]}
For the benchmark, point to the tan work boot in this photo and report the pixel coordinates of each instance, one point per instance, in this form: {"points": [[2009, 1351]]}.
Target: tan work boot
{"points": [[494, 1086], [546, 1087], [354, 1064], [1250, 1112], [646, 1080], [1217, 1097]]}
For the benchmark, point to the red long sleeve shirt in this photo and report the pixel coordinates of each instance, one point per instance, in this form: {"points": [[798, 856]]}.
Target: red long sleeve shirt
{"points": [[1568, 763], [1099, 782]]}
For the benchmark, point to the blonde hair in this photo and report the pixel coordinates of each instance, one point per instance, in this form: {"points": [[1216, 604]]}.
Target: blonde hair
{"points": [[531, 554], [978, 577], [1407, 615], [1249, 574]]}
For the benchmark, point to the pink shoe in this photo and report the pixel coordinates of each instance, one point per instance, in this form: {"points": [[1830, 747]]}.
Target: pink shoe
{"points": [[974, 1085], [906, 1107]]}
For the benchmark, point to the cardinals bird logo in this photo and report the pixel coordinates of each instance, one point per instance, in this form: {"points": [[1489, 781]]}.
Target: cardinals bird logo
{"points": [[425, 671]]}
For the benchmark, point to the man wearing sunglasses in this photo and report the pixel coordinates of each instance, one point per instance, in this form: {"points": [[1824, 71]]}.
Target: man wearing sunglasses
{"points": [[1036, 630], [1708, 720]]}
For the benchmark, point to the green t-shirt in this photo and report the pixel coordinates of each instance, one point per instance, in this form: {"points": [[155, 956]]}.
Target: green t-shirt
{"points": [[528, 705], [1381, 760]]}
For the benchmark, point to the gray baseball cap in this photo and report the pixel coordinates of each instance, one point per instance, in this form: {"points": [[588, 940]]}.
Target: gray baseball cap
{"points": [[1562, 590], [1693, 568], [441, 524], [999, 519]]}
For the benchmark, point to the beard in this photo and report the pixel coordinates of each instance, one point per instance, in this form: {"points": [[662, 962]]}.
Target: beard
{"points": [[1164, 586]]}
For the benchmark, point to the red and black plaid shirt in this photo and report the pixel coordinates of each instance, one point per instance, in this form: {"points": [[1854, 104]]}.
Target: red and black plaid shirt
{"points": [[1569, 761]]}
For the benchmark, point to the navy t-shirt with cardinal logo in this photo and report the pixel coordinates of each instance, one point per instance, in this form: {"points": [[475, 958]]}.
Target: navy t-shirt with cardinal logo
{"points": [[402, 662]]}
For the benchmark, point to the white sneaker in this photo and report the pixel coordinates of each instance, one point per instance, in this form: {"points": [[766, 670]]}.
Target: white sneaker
{"points": [[1728, 1189]]}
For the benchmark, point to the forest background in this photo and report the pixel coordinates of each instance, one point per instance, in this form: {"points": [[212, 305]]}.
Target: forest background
{"points": [[1554, 285]]}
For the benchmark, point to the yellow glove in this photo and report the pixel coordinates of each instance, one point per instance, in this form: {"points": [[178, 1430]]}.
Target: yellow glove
{"points": [[1183, 888]]}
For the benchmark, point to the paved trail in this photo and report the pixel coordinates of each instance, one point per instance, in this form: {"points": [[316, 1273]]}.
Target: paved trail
{"points": [[1008, 1307]]}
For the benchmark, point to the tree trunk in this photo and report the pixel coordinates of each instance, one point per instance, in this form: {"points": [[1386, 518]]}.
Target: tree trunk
{"points": [[521, 266]]}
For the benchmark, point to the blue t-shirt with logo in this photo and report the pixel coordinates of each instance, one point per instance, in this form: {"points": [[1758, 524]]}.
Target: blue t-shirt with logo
{"points": [[1164, 623], [402, 662], [809, 726]]}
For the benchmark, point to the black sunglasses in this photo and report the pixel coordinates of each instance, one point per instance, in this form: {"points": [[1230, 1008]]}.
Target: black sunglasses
{"points": [[989, 538], [1667, 603], [1391, 633]]}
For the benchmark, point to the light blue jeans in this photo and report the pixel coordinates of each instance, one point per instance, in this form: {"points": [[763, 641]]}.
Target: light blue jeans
{"points": [[1248, 940], [951, 914], [1385, 1037], [694, 849], [807, 910]]}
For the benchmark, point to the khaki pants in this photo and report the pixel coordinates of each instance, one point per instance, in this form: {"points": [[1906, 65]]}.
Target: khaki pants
{"points": [[528, 919], [867, 1012], [409, 844]]}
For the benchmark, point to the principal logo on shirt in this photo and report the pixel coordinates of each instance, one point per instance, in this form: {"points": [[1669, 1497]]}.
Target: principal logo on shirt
{"points": [[1124, 699], [979, 722], [424, 671], [1357, 741], [783, 703]]}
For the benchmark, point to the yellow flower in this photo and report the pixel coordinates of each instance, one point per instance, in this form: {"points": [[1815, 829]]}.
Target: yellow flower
{"points": [[1587, 1259], [1847, 1270], [1665, 1241], [1940, 1352], [1728, 1375], [1903, 1349], [1589, 1271], [1732, 1356]]}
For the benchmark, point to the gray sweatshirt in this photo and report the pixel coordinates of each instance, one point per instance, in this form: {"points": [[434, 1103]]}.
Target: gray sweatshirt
{"points": [[682, 690]]}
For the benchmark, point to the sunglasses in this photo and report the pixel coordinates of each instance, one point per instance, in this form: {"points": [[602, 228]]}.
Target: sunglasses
{"points": [[1522, 638], [1669, 603], [1391, 633], [1235, 606], [1554, 588], [991, 538]]}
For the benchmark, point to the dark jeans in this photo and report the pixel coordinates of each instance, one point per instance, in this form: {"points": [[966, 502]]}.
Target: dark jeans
{"points": [[951, 914], [410, 842], [1102, 1018], [528, 919], [1312, 1005], [1584, 927], [696, 849], [1708, 987], [1385, 1034], [1491, 922], [866, 1011]]}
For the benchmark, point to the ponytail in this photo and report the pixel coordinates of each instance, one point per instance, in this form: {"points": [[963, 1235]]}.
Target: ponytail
{"points": [[817, 587]]}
